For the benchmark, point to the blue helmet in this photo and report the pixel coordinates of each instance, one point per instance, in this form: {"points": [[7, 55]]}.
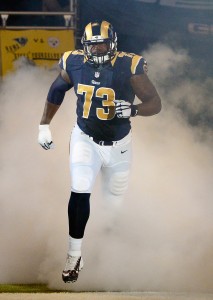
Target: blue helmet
{"points": [[99, 33]]}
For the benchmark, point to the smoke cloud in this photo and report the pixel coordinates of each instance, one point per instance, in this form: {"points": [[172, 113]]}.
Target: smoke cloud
{"points": [[161, 237]]}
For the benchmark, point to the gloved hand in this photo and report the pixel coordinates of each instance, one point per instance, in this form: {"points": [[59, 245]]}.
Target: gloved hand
{"points": [[125, 109], [45, 137]]}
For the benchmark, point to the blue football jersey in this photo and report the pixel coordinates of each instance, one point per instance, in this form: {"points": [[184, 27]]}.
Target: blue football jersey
{"points": [[97, 88]]}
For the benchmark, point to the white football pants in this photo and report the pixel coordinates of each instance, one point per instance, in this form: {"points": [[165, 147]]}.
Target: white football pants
{"points": [[88, 158]]}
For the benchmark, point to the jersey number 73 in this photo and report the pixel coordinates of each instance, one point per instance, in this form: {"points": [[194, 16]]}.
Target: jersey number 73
{"points": [[88, 92]]}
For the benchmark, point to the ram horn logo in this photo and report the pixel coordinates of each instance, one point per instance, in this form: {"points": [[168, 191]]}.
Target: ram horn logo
{"points": [[53, 42], [22, 41]]}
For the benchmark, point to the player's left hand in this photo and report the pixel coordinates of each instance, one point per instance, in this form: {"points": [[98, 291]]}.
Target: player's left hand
{"points": [[125, 109]]}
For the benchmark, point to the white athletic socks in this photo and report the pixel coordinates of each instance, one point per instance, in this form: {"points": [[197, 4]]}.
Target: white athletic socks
{"points": [[74, 246]]}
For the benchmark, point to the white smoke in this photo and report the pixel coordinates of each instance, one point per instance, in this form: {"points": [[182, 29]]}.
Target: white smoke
{"points": [[161, 239]]}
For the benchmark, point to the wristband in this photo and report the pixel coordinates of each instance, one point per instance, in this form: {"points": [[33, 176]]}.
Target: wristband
{"points": [[43, 127], [134, 110]]}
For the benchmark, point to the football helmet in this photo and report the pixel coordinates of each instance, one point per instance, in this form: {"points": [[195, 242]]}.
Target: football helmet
{"points": [[97, 35]]}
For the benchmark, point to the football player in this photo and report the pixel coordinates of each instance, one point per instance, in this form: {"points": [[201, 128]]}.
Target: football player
{"points": [[106, 82]]}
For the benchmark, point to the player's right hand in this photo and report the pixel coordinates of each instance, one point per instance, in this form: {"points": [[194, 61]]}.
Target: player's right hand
{"points": [[45, 137], [125, 109]]}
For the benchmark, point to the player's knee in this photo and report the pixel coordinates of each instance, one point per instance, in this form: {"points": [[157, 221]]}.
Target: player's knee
{"points": [[118, 183], [82, 179], [81, 185]]}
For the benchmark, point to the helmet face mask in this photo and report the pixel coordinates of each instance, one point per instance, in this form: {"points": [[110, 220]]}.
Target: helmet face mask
{"points": [[99, 42]]}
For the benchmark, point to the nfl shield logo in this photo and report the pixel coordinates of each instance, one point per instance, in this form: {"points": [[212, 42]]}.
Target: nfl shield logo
{"points": [[97, 74]]}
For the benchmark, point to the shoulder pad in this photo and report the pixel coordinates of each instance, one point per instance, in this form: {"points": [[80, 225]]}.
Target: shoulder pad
{"points": [[78, 52], [69, 54], [137, 62], [63, 60]]}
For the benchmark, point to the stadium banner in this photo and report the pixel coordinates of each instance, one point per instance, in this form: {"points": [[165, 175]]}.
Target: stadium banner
{"points": [[39, 47]]}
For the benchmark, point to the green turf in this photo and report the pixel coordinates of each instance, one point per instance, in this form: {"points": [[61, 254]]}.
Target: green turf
{"points": [[26, 288]]}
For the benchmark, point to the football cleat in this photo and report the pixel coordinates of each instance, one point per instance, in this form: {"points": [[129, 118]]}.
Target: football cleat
{"points": [[74, 265]]}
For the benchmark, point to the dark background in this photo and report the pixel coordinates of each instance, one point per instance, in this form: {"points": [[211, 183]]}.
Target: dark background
{"points": [[138, 24]]}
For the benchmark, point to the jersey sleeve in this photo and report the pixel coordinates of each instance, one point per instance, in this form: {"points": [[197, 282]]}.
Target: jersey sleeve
{"points": [[63, 61], [139, 65]]}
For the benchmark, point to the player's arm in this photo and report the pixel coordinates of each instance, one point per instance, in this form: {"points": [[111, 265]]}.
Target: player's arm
{"points": [[143, 89], [147, 94], [54, 99]]}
